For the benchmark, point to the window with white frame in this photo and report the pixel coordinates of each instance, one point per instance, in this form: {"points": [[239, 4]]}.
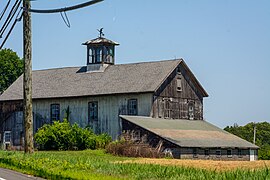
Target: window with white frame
{"points": [[55, 112], [7, 136], [132, 107]]}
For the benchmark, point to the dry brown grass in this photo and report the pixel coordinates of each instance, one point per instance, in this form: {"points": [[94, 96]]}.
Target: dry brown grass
{"points": [[205, 164]]}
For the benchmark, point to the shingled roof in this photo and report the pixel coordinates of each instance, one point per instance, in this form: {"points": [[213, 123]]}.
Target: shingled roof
{"points": [[75, 81], [190, 133], [100, 40]]}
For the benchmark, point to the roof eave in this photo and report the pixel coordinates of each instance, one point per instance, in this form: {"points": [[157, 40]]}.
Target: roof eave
{"points": [[203, 91]]}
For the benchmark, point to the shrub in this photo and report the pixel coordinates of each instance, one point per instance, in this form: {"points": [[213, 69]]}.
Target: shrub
{"points": [[64, 136]]}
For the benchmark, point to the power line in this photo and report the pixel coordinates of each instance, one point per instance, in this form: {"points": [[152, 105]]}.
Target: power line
{"points": [[18, 18], [10, 17], [4, 10], [65, 19], [12, 9], [64, 9]]}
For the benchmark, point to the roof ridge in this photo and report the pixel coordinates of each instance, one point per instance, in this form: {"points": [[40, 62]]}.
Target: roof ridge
{"points": [[155, 61], [152, 61], [58, 68]]}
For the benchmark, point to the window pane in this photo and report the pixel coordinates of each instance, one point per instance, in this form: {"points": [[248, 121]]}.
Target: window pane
{"points": [[55, 112], [206, 152], [195, 155], [218, 153], [132, 107], [229, 153], [7, 136], [93, 111]]}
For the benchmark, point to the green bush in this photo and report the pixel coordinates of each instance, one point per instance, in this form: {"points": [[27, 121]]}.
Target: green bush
{"points": [[64, 136]]}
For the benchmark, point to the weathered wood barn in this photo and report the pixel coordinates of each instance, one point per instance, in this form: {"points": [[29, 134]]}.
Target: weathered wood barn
{"points": [[162, 99]]}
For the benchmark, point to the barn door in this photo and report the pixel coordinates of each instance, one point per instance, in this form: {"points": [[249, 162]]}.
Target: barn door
{"points": [[252, 155]]}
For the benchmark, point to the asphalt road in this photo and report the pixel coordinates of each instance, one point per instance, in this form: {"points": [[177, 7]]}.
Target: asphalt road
{"points": [[6, 174]]}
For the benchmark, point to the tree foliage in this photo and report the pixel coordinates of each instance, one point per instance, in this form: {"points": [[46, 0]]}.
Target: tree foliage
{"points": [[262, 136], [11, 68], [64, 136]]}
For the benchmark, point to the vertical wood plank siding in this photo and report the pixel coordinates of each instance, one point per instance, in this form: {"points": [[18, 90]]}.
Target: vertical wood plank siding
{"points": [[172, 100], [109, 109]]}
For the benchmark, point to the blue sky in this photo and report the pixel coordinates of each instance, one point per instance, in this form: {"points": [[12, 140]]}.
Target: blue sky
{"points": [[225, 43]]}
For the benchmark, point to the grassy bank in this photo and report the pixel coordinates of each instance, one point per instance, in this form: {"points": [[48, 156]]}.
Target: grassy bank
{"points": [[98, 165]]}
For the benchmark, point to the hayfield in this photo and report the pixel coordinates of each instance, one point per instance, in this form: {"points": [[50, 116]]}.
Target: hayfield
{"points": [[205, 164]]}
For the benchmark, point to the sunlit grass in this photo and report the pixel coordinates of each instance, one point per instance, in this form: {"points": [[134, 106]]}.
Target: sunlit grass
{"points": [[95, 164]]}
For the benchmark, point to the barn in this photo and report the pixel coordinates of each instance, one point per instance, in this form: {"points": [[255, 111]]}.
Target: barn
{"points": [[110, 98]]}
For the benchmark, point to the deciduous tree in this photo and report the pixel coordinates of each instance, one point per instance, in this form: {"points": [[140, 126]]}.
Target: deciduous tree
{"points": [[11, 67]]}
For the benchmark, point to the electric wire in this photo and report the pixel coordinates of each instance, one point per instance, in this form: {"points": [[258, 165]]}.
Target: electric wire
{"points": [[18, 18], [65, 19], [4, 10], [10, 12], [64, 9], [10, 17]]}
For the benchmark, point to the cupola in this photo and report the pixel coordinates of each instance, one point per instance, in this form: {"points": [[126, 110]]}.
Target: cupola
{"points": [[100, 52]]}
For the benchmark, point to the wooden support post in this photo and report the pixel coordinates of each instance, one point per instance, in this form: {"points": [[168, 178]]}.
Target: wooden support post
{"points": [[27, 80]]}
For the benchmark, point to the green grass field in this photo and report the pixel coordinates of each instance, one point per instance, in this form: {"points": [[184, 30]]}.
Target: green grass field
{"points": [[96, 164]]}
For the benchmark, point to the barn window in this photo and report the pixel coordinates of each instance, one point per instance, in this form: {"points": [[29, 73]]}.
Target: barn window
{"points": [[195, 153], [218, 152], [240, 153], [191, 110], [7, 136], [206, 152], [55, 112], [92, 111], [179, 84], [229, 153], [132, 107]]}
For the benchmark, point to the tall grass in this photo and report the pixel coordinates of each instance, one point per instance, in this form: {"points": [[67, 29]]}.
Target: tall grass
{"points": [[98, 165]]}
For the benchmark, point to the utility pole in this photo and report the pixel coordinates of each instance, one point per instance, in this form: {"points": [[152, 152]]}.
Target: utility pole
{"points": [[254, 133], [27, 79]]}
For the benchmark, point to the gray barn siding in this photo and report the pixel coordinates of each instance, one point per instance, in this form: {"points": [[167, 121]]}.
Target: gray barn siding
{"points": [[187, 153], [109, 108], [177, 100]]}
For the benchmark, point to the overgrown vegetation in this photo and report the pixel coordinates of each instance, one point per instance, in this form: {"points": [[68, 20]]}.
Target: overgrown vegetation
{"points": [[95, 164], [64, 136], [262, 136], [133, 149], [11, 68]]}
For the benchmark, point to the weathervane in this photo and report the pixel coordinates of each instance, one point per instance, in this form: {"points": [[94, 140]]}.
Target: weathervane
{"points": [[100, 32]]}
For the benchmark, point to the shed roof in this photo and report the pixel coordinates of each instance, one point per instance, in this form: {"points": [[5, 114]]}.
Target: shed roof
{"points": [[75, 81], [190, 133]]}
